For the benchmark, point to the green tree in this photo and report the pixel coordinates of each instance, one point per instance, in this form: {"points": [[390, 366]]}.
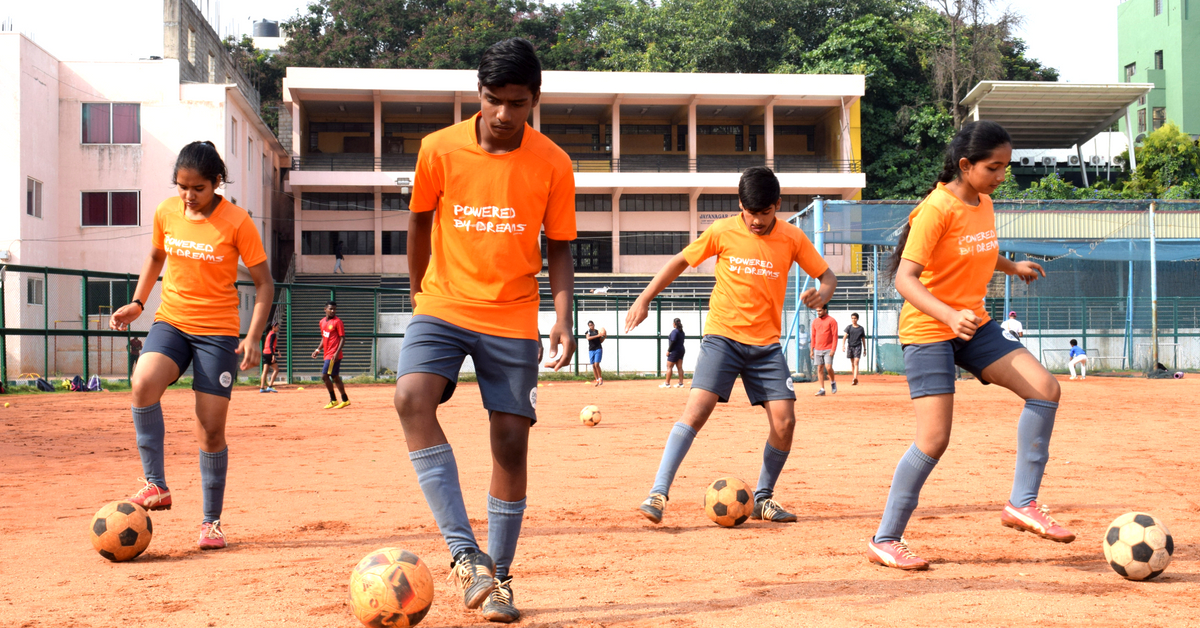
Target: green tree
{"points": [[265, 73], [1167, 159]]}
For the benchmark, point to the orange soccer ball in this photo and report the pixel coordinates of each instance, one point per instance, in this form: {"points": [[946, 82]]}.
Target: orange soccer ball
{"points": [[391, 587], [121, 531], [728, 502]]}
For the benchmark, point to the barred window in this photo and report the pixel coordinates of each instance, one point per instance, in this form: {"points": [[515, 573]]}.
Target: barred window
{"points": [[395, 242], [323, 242], [410, 127], [807, 130], [35, 290], [110, 209], [654, 203], [718, 203], [593, 202], [653, 242], [394, 202], [1159, 117], [337, 201]]}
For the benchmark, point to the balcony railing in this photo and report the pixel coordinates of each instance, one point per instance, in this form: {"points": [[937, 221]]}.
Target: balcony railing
{"points": [[407, 162], [355, 162]]}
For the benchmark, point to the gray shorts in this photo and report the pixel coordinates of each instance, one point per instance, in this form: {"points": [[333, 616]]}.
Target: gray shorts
{"points": [[506, 368], [854, 351], [213, 359], [822, 356], [764, 372], [930, 366]]}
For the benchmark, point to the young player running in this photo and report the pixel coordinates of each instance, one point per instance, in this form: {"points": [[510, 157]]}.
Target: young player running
{"points": [[197, 323], [270, 365], [333, 338], [942, 264], [483, 190], [754, 251]]}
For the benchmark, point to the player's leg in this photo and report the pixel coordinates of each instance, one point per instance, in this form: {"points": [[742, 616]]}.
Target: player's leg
{"points": [[214, 368], [274, 373], [327, 369], [1071, 365], [829, 370], [262, 377], [1083, 366], [820, 374], [341, 386], [670, 370], [165, 355], [854, 371], [768, 383]]}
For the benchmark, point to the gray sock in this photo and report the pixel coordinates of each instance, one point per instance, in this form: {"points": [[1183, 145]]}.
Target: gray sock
{"points": [[437, 473], [678, 444], [504, 528], [148, 423], [773, 461], [1033, 450], [910, 476], [212, 482]]}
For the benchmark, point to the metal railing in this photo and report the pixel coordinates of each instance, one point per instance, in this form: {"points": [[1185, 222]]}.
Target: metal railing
{"points": [[407, 162], [355, 162]]}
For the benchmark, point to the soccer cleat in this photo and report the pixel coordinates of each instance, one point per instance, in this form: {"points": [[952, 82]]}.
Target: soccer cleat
{"points": [[821, 393], [1036, 519], [1074, 378], [854, 382], [664, 385], [330, 405], [272, 390], [211, 536], [152, 497], [833, 387], [263, 390], [679, 385], [344, 404], [499, 606], [475, 573], [895, 554], [654, 506], [770, 510]]}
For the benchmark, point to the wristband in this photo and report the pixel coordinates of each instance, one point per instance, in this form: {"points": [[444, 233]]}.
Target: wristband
{"points": [[140, 304]]}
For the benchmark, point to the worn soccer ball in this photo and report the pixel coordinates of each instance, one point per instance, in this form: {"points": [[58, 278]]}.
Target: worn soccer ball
{"points": [[391, 587], [589, 415], [728, 502], [1138, 546], [121, 531]]}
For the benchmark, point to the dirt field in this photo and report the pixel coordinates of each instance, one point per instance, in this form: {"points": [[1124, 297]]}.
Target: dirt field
{"points": [[312, 491]]}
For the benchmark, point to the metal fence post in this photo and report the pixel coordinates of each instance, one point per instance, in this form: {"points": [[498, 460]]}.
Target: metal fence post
{"points": [[657, 333], [3, 337], [617, 304], [46, 321], [1083, 318], [875, 312], [375, 337], [83, 309], [1153, 295], [575, 330], [288, 341], [128, 337]]}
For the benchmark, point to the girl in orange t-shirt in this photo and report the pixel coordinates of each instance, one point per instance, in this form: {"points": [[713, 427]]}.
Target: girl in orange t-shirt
{"points": [[943, 262], [196, 324]]}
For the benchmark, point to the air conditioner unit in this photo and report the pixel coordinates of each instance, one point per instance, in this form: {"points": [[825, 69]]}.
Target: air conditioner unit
{"points": [[1118, 161], [1049, 162], [1073, 160], [1095, 160], [1027, 161]]}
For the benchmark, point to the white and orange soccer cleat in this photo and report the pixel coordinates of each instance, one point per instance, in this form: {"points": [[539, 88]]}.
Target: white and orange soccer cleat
{"points": [[1036, 519], [152, 497], [895, 554]]}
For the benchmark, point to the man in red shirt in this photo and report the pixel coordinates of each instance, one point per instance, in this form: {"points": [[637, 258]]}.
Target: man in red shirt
{"points": [[270, 366], [333, 336], [824, 341]]}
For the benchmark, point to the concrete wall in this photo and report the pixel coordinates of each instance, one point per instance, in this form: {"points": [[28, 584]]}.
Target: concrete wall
{"points": [[1176, 32], [191, 40]]}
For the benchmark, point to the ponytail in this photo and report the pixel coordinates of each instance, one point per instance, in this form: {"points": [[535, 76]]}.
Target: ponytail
{"points": [[678, 324], [973, 142]]}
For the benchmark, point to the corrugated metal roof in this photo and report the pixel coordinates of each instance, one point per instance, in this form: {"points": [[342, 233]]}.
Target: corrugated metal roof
{"points": [[1052, 115]]}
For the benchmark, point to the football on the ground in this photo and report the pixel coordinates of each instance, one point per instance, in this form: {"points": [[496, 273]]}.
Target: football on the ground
{"points": [[728, 502], [1138, 546], [589, 415], [121, 531], [391, 587]]}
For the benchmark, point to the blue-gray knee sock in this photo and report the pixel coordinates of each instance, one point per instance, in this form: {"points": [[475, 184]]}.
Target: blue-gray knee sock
{"points": [[212, 482], [437, 473], [678, 444], [504, 528], [773, 461], [148, 423], [910, 476], [1033, 450]]}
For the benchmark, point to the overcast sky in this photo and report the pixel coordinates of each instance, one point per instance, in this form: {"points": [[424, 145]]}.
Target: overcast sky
{"points": [[1076, 36]]}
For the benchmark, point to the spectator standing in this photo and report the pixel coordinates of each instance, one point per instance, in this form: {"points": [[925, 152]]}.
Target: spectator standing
{"points": [[824, 342]]}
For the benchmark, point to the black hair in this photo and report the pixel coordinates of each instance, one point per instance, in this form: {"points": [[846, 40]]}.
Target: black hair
{"points": [[973, 142], [855, 315], [758, 189], [1074, 343], [678, 324], [331, 302], [511, 62], [203, 158], [591, 323]]}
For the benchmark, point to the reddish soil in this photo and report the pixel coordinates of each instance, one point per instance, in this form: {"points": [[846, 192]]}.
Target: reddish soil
{"points": [[312, 491]]}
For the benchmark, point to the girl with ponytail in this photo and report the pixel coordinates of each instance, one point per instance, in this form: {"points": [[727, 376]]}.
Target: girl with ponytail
{"points": [[942, 265]]}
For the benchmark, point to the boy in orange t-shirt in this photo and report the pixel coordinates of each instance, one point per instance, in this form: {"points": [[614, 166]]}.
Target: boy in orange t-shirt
{"points": [[754, 252], [484, 189]]}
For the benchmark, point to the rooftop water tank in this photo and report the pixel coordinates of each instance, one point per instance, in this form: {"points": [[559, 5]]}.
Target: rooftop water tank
{"points": [[266, 28]]}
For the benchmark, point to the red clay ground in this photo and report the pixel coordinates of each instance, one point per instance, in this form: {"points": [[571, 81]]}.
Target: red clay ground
{"points": [[311, 491]]}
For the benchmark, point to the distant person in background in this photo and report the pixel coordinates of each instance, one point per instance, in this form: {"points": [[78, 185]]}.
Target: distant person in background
{"points": [[852, 345], [270, 368], [337, 257], [595, 338], [333, 338], [675, 352], [1012, 327], [824, 342], [135, 350], [1077, 357]]}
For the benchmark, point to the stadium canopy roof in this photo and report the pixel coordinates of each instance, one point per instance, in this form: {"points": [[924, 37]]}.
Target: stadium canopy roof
{"points": [[1040, 114]]}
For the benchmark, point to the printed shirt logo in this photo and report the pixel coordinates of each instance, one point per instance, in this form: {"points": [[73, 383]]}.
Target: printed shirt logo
{"points": [[226, 379], [981, 242], [192, 250], [533, 397], [790, 385], [491, 219], [751, 266]]}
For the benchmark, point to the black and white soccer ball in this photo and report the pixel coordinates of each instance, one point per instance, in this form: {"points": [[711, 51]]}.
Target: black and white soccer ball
{"points": [[1138, 546]]}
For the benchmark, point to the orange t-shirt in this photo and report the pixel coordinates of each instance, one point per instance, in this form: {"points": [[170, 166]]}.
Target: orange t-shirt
{"points": [[199, 295], [957, 245], [824, 333], [752, 272], [485, 250]]}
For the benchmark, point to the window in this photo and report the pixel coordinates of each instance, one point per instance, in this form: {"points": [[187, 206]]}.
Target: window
{"points": [[654, 203], [593, 202], [339, 201], [1158, 60], [1130, 71], [807, 130], [394, 202], [190, 53], [833, 249], [35, 291], [110, 209], [233, 143], [33, 197], [1158, 7], [249, 153], [323, 242], [718, 203], [653, 242], [1142, 99], [212, 68], [1158, 117], [1141, 120], [266, 173], [112, 123], [395, 242], [590, 250]]}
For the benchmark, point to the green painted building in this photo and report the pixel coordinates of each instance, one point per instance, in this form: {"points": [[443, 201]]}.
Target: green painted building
{"points": [[1158, 41]]}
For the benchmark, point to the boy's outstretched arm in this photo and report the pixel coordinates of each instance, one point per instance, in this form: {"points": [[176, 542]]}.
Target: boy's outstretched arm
{"points": [[562, 285], [814, 298], [641, 307]]}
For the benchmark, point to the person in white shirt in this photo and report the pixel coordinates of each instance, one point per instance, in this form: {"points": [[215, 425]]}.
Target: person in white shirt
{"points": [[1013, 327]]}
